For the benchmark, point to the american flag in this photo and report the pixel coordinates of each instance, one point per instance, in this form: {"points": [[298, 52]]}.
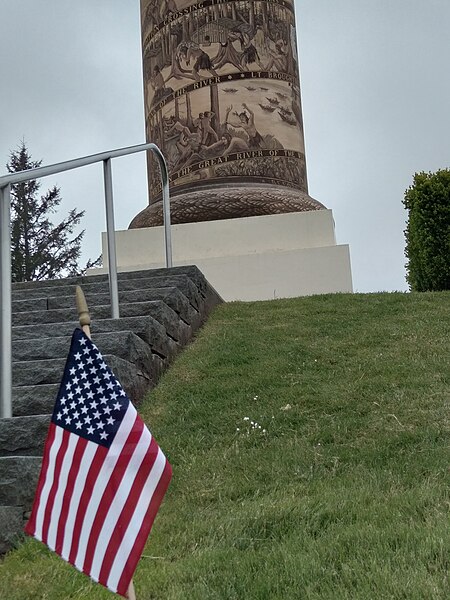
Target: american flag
{"points": [[103, 476]]}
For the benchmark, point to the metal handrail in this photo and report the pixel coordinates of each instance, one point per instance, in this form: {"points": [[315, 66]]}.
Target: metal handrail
{"points": [[5, 245]]}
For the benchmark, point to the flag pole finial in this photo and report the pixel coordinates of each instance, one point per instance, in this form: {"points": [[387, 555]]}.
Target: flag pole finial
{"points": [[83, 311]]}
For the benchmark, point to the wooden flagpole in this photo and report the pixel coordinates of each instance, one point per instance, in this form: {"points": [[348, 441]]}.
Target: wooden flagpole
{"points": [[85, 322]]}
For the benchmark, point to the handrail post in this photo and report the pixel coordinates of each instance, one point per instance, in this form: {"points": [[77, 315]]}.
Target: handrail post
{"points": [[166, 205], [5, 304], [111, 239]]}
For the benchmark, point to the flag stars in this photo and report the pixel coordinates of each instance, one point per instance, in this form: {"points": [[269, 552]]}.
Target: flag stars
{"points": [[68, 420], [110, 385], [82, 341], [90, 430], [87, 385], [83, 375], [65, 410], [96, 415], [94, 404], [72, 371], [110, 421], [93, 370], [76, 414], [114, 396], [88, 420], [73, 405], [59, 416], [100, 425], [84, 409], [89, 360], [68, 386], [103, 435], [78, 425], [107, 410], [78, 390], [117, 406], [90, 395], [77, 356], [96, 380], [70, 395]]}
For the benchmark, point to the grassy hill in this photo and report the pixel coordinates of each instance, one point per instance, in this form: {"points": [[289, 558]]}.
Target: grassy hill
{"points": [[310, 445]]}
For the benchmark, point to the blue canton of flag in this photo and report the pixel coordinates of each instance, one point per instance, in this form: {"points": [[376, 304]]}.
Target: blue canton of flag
{"points": [[91, 403]]}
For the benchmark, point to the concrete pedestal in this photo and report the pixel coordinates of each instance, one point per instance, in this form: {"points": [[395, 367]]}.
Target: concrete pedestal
{"points": [[253, 258]]}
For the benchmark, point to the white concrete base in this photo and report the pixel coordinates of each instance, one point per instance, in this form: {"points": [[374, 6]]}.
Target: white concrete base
{"points": [[254, 258]]}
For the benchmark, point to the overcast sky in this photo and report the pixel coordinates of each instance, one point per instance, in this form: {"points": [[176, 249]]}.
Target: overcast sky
{"points": [[376, 104]]}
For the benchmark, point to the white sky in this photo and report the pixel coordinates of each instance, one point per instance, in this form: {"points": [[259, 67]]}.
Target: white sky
{"points": [[376, 101]]}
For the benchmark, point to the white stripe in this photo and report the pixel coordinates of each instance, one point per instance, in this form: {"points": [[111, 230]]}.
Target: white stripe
{"points": [[117, 504], [107, 468], [79, 485], [49, 476], [61, 490], [136, 520]]}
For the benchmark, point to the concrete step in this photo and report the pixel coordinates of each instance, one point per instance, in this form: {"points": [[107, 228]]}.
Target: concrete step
{"points": [[34, 399], [23, 436], [168, 318]]}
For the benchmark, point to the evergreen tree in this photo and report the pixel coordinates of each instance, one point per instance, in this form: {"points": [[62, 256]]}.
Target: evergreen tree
{"points": [[428, 232], [39, 248]]}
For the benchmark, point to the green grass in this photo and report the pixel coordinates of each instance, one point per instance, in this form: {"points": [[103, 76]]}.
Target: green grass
{"points": [[346, 494]]}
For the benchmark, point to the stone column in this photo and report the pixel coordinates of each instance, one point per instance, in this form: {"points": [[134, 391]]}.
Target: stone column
{"points": [[222, 101]]}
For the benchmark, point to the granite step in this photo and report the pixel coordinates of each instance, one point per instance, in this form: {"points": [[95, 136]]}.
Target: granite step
{"points": [[182, 282], [191, 271], [34, 399], [18, 480], [43, 372], [167, 317], [124, 344], [147, 328], [23, 436], [170, 295]]}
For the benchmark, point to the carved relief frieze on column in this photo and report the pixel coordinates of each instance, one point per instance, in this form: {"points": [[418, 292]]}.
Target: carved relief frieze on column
{"points": [[222, 101]]}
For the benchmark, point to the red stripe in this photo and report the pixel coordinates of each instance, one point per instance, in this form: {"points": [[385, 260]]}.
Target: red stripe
{"points": [[53, 490], [71, 481], [96, 464], [111, 489], [30, 527], [127, 511], [143, 534]]}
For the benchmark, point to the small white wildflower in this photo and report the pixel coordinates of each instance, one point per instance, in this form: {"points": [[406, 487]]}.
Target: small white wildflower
{"points": [[246, 419], [259, 426], [237, 429], [264, 431]]}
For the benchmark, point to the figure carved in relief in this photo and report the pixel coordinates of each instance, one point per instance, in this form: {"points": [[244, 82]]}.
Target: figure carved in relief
{"points": [[278, 57], [188, 51], [249, 52], [228, 54], [247, 123]]}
